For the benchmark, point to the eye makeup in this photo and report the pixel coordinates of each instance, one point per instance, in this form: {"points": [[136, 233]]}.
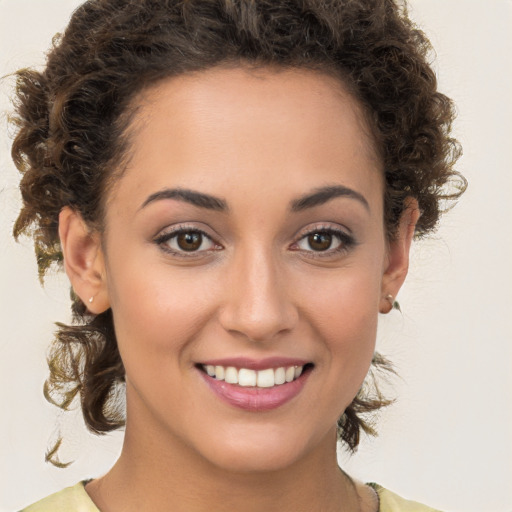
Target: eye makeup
{"points": [[324, 241], [320, 241], [184, 241]]}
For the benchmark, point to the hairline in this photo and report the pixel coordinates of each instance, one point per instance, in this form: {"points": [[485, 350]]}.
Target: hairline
{"points": [[130, 127]]}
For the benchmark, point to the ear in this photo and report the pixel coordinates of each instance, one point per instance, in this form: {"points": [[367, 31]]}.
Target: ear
{"points": [[83, 260], [397, 261]]}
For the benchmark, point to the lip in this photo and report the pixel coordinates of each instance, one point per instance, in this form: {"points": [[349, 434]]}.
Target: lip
{"points": [[256, 364], [251, 398]]}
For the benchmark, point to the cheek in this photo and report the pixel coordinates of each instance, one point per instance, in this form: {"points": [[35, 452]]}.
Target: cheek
{"points": [[156, 310], [344, 311]]}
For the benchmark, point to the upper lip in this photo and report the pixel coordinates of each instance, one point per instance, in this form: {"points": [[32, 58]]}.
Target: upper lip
{"points": [[256, 364]]}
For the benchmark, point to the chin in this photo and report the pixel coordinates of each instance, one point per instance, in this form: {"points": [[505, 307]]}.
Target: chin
{"points": [[267, 450], [255, 460]]}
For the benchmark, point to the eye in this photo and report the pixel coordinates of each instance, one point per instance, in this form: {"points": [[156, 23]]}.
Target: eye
{"points": [[319, 241], [186, 240], [324, 240]]}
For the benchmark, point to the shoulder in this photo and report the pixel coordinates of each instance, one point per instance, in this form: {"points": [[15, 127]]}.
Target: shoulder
{"points": [[71, 499], [391, 502]]}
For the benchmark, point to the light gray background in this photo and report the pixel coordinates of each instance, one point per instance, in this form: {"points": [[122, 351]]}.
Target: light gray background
{"points": [[448, 440]]}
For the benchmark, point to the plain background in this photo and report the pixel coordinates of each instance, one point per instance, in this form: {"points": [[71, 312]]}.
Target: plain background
{"points": [[448, 439]]}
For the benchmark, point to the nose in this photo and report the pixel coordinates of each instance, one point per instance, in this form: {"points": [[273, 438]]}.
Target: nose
{"points": [[257, 301]]}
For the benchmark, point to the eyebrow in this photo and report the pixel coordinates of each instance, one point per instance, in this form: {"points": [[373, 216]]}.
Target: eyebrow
{"points": [[324, 194], [318, 197], [188, 196]]}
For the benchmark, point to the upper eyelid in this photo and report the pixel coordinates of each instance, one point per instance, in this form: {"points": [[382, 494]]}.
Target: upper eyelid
{"points": [[334, 228], [345, 235], [322, 226], [183, 228], [166, 235]]}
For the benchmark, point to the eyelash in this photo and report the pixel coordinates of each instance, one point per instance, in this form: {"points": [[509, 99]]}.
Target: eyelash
{"points": [[163, 239], [346, 242]]}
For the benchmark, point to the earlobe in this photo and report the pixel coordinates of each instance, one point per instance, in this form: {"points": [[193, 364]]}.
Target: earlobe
{"points": [[397, 262], [83, 260]]}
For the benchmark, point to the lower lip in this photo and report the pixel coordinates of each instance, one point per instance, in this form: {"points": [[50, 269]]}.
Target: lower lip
{"points": [[256, 399]]}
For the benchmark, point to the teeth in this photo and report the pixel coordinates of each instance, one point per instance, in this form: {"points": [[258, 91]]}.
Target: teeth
{"points": [[251, 378], [246, 377], [231, 375], [279, 376], [219, 372], [266, 378]]}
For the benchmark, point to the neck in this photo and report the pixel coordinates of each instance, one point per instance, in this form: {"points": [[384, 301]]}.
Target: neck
{"points": [[157, 472]]}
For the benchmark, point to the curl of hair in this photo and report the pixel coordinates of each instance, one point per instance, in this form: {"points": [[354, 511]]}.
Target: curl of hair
{"points": [[72, 119]]}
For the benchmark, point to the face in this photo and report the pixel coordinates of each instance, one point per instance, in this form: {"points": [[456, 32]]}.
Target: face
{"points": [[245, 263]]}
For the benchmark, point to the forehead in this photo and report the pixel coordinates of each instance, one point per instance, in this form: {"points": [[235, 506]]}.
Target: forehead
{"points": [[241, 93], [290, 128]]}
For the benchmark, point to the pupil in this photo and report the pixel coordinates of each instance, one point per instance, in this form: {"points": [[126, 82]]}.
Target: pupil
{"points": [[189, 241], [320, 241]]}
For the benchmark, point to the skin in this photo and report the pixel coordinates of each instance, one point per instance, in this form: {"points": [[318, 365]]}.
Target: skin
{"points": [[256, 288]]}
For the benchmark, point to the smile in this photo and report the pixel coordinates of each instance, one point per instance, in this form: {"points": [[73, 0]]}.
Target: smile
{"points": [[246, 377], [256, 386]]}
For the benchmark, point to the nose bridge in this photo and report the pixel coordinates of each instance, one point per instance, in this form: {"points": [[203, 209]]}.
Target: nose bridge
{"points": [[257, 301]]}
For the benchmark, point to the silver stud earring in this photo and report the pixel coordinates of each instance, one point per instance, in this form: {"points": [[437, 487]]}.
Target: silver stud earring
{"points": [[91, 299]]}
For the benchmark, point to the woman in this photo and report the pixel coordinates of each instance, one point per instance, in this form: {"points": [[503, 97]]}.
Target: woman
{"points": [[233, 188]]}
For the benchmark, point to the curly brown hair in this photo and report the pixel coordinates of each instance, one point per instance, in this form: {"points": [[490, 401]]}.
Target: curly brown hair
{"points": [[72, 118]]}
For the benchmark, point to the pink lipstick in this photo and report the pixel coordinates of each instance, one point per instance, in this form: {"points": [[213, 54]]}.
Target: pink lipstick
{"points": [[255, 385]]}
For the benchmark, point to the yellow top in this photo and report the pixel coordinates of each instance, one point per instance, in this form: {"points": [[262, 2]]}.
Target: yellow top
{"points": [[391, 502], [76, 499], [70, 499]]}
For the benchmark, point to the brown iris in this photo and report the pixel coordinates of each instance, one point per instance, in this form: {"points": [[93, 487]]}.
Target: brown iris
{"points": [[320, 241], [190, 241]]}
